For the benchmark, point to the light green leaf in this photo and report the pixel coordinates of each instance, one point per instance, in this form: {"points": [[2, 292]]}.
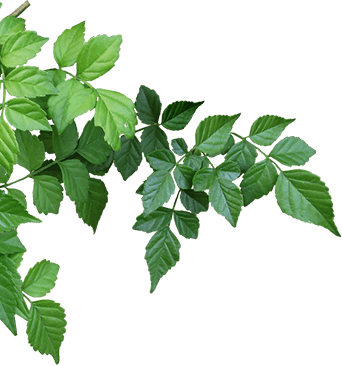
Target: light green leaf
{"points": [[204, 179], [30, 82], [64, 144], [178, 114], [226, 199], [9, 26], [10, 243], [153, 138], [156, 220], [17, 258], [76, 179], [213, 133], [21, 47], [158, 189], [179, 146], [9, 148], [129, 157], [25, 115], [302, 195], [91, 210], [12, 213], [258, 181], [229, 170], [115, 114], [18, 195], [187, 224], [183, 175], [32, 152], [98, 56], [265, 130], [195, 202], [162, 253], [163, 159], [47, 194], [148, 105], [68, 45], [243, 153], [40, 279], [73, 100], [46, 327], [292, 151]]}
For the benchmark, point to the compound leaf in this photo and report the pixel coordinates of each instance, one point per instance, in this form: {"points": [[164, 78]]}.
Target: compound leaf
{"points": [[148, 105], [47, 194], [187, 224]]}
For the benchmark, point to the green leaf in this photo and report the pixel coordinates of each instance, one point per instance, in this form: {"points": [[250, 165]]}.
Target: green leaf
{"points": [[68, 45], [21, 47], [243, 153], [226, 199], [229, 170], [76, 179], [47, 194], [129, 157], [17, 258], [292, 151], [163, 159], [158, 189], [10, 25], [115, 114], [46, 138], [178, 114], [98, 56], [230, 143], [57, 76], [8, 299], [10, 243], [156, 220], [91, 210], [25, 115], [195, 202], [302, 195], [30, 82], [12, 213], [46, 327], [148, 105], [153, 138], [265, 130], [162, 253], [187, 224], [18, 195], [73, 100], [204, 179], [213, 132], [50, 169], [32, 152], [64, 144], [40, 279], [183, 175], [193, 161], [99, 169], [9, 148], [179, 146], [258, 181]]}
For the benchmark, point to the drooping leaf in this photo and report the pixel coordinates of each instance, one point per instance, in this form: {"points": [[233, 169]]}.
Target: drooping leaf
{"points": [[156, 220], [10, 25], [21, 47], [40, 279], [266, 129], [10, 243], [204, 179], [304, 196], [46, 327], [9, 148], [178, 114], [213, 133], [179, 146], [162, 159], [243, 153], [183, 175], [64, 144], [98, 56], [115, 114], [153, 138], [162, 253], [258, 181], [229, 170], [187, 224], [292, 151], [148, 105], [195, 202]]}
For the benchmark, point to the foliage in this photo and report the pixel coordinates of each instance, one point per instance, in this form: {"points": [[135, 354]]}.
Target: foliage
{"points": [[39, 119]]}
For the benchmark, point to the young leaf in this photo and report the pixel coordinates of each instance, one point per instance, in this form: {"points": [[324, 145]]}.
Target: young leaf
{"points": [[229, 170], [32, 152], [98, 56], [47, 194], [163, 159], [162, 253], [68, 45], [153, 138], [46, 327], [187, 224], [302, 195], [9, 26], [156, 220], [76, 179], [10, 243], [129, 157], [258, 181], [9, 148], [91, 210], [226, 199], [243, 153], [178, 114], [265, 130], [29, 82], [158, 189], [179, 146], [25, 115], [183, 175], [21, 47], [195, 202], [65, 143], [40, 279], [115, 114], [204, 179], [292, 151], [148, 105], [213, 132]]}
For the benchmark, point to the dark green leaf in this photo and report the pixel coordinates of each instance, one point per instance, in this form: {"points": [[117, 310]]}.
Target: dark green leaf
{"points": [[156, 220], [163, 159], [203, 179], [229, 170], [10, 243], [148, 105], [195, 202], [50, 168], [99, 169], [183, 175], [230, 143], [65, 143], [153, 138], [187, 224], [140, 189], [179, 146], [243, 153], [193, 161], [46, 138]]}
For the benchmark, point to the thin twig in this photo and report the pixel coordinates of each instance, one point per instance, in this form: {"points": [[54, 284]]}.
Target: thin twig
{"points": [[21, 9]]}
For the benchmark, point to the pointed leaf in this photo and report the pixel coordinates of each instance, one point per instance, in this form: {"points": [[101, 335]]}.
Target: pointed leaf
{"points": [[187, 224], [183, 175], [229, 170], [204, 179], [156, 220], [10, 25], [148, 105], [195, 202], [18, 195], [302, 195], [179, 146], [193, 161], [163, 159], [243, 153], [153, 138], [65, 143], [10, 243], [9, 148]]}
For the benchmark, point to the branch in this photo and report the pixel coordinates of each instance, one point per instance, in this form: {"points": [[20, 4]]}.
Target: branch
{"points": [[21, 9]]}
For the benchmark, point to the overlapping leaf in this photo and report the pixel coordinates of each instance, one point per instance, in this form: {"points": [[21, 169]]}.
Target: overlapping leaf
{"points": [[64, 143], [162, 159], [179, 146], [243, 153], [187, 224], [153, 138], [9, 148], [10, 243], [148, 105], [156, 220], [183, 175], [195, 202], [204, 179], [9, 26]]}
